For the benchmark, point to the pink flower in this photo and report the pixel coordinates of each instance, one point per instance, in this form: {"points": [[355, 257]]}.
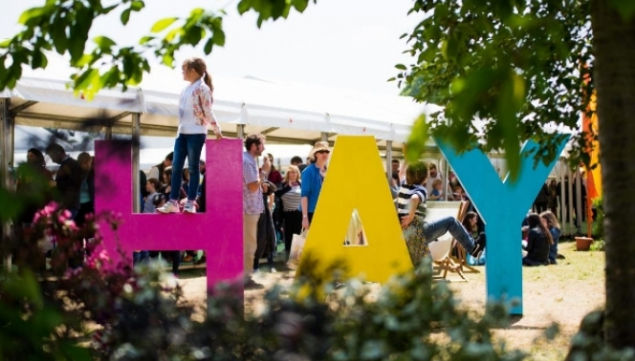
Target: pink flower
{"points": [[71, 225], [50, 208]]}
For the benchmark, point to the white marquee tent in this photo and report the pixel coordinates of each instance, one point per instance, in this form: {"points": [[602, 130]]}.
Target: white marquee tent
{"points": [[285, 113]]}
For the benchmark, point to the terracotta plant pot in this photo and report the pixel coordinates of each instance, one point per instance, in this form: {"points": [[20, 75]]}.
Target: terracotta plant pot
{"points": [[583, 243]]}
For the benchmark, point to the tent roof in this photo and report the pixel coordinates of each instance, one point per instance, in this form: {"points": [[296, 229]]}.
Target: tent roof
{"points": [[287, 113]]}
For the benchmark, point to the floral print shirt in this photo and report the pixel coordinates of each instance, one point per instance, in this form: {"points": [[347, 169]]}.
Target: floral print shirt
{"points": [[195, 110]]}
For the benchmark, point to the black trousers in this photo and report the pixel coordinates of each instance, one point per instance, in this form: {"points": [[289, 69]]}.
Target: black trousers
{"points": [[292, 225]]}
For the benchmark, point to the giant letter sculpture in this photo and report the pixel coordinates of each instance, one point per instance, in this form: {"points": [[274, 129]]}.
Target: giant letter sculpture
{"points": [[356, 180], [503, 205], [218, 231]]}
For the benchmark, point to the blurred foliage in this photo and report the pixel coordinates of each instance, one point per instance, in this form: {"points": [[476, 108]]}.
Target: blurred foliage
{"points": [[92, 309], [63, 26], [598, 222], [598, 245], [81, 306], [589, 343], [502, 71], [30, 326]]}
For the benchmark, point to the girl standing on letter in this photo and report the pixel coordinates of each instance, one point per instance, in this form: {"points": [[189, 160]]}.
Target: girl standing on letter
{"points": [[195, 116]]}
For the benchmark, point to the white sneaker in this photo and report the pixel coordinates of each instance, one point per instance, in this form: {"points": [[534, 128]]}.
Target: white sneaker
{"points": [[190, 207], [169, 207]]}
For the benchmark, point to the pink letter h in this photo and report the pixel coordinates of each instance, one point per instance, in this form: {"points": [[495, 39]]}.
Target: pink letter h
{"points": [[218, 231]]}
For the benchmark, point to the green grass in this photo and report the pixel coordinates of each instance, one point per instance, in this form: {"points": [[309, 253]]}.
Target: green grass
{"points": [[580, 265]]}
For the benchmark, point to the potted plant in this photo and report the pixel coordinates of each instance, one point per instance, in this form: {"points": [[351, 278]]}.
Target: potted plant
{"points": [[583, 243]]}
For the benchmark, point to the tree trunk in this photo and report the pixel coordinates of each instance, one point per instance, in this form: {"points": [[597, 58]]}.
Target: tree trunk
{"points": [[614, 49]]}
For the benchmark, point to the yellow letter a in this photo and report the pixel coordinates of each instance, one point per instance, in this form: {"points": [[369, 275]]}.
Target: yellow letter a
{"points": [[356, 181]]}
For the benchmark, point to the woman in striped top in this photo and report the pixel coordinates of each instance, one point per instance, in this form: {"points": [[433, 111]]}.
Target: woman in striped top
{"points": [[418, 233], [290, 195], [411, 200]]}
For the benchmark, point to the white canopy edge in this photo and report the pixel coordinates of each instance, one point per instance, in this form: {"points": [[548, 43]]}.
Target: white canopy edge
{"points": [[284, 110]]}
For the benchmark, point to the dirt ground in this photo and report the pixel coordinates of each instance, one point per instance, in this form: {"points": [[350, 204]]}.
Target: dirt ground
{"points": [[562, 293]]}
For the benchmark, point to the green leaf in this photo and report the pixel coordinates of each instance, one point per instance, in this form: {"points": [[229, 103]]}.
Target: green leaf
{"points": [[5, 43], [32, 14], [162, 24], [79, 32], [137, 5], [24, 286], [208, 46], [110, 78], [85, 60], [509, 101], [146, 39], [125, 16], [173, 33], [74, 352], [626, 8], [300, 5], [400, 67], [218, 37], [38, 60], [86, 79], [58, 34], [244, 6], [193, 35], [108, 9], [168, 60], [417, 140], [104, 43]]}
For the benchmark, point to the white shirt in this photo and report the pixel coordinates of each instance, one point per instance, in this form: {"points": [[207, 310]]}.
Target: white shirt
{"points": [[188, 124]]}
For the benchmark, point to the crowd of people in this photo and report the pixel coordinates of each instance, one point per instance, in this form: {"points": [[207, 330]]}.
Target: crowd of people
{"points": [[275, 205]]}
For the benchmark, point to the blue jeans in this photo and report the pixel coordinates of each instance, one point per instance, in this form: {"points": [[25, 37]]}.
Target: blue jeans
{"points": [[436, 229], [190, 146]]}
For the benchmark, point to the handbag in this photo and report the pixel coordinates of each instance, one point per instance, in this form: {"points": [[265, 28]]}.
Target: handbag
{"points": [[297, 245]]}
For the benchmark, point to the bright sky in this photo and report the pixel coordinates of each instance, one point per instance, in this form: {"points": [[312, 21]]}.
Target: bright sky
{"points": [[352, 44]]}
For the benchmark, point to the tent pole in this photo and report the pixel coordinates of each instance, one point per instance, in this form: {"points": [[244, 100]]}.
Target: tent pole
{"points": [[240, 131], [325, 136], [136, 132], [5, 135], [570, 200], [11, 131], [108, 135], [389, 160], [446, 180], [244, 118], [562, 204], [5, 140], [578, 201]]}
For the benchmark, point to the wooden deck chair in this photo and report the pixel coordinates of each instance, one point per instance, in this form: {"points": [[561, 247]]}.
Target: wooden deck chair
{"points": [[461, 254], [440, 250], [443, 263]]}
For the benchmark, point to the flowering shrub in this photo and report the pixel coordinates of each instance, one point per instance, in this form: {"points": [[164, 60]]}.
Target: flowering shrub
{"points": [[92, 309]]}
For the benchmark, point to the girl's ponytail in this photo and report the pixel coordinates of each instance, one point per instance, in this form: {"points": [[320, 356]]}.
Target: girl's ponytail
{"points": [[208, 80], [198, 65]]}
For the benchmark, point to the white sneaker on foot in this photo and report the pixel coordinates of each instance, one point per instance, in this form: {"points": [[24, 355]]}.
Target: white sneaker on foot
{"points": [[190, 207], [169, 207]]}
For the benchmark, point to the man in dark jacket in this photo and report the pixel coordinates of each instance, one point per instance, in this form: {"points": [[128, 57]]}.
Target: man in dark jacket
{"points": [[68, 178]]}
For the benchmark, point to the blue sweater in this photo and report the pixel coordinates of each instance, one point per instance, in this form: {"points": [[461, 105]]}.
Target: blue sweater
{"points": [[311, 185]]}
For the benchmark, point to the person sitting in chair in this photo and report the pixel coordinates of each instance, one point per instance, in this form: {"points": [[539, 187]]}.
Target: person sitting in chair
{"points": [[411, 208]]}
